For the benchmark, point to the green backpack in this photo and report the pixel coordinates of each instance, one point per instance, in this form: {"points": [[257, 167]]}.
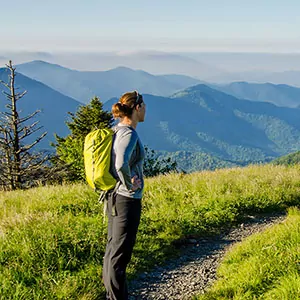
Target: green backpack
{"points": [[97, 159]]}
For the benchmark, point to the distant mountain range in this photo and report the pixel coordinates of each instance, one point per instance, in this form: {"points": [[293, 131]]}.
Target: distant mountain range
{"points": [[53, 105], [157, 62], [203, 120], [83, 86], [154, 62], [112, 83], [201, 126], [202, 65], [278, 94], [285, 77], [234, 62]]}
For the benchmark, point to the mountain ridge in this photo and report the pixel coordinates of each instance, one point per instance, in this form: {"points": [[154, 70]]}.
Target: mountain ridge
{"points": [[200, 119], [54, 106], [278, 94], [83, 85]]}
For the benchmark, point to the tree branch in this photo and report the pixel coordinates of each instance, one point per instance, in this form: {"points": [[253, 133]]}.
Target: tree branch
{"points": [[5, 84], [19, 96], [27, 147], [29, 132], [9, 96], [28, 117]]}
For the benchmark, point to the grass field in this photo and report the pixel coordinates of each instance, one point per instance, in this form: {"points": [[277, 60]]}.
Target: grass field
{"points": [[264, 266], [52, 238]]}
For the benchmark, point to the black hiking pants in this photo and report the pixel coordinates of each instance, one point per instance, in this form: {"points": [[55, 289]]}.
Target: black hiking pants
{"points": [[122, 229]]}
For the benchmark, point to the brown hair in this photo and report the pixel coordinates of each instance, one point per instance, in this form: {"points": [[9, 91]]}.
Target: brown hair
{"points": [[126, 104]]}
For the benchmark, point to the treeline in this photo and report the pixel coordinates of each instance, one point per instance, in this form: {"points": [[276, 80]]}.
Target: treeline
{"points": [[290, 159], [196, 161]]}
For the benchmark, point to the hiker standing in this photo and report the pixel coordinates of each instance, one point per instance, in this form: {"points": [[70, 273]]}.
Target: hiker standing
{"points": [[124, 203]]}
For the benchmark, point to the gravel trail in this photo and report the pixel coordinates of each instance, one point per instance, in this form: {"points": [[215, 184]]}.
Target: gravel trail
{"points": [[195, 270]]}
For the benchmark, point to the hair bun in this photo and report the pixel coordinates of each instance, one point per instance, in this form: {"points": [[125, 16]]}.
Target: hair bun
{"points": [[125, 106]]}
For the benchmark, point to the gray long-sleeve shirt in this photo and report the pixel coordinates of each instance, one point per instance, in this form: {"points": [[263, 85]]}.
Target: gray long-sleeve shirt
{"points": [[127, 160]]}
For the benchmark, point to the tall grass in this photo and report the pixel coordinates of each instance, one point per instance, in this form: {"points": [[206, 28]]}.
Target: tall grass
{"points": [[264, 266], [52, 239], [51, 244]]}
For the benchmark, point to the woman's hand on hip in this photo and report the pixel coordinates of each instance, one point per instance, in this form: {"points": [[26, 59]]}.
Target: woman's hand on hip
{"points": [[136, 183]]}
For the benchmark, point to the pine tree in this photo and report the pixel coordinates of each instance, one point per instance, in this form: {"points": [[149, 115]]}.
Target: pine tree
{"points": [[88, 118], [69, 149], [155, 165]]}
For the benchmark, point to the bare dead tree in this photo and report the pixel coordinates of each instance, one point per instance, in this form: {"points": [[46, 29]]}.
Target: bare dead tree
{"points": [[20, 165]]}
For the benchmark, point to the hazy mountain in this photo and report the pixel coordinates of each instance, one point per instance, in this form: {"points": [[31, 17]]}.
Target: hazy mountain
{"points": [[154, 62], [208, 66], [247, 61], [181, 80], [18, 57], [105, 84], [3, 60], [53, 105], [157, 62], [203, 120], [281, 94], [286, 77], [63, 80]]}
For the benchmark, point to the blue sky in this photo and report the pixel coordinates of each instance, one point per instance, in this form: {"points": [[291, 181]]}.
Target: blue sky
{"points": [[191, 25]]}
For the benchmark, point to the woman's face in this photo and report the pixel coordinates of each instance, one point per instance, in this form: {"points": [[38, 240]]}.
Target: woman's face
{"points": [[141, 112]]}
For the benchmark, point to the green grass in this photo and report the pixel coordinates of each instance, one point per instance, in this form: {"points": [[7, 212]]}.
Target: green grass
{"points": [[52, 239], [51, 244], [264, 266]]}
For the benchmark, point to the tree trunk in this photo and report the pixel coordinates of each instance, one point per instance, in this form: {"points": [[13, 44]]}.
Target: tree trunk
{"points": [[15, 119]]}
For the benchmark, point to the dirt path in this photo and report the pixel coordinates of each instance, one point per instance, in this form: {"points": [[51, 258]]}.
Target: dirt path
{"points": [[195, 269]]}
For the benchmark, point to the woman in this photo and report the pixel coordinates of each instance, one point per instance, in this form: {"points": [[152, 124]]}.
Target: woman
{"points": [[124, 204]]}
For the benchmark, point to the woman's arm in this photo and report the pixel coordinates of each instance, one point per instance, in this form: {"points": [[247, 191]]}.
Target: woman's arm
{"points": [[124, 148]]}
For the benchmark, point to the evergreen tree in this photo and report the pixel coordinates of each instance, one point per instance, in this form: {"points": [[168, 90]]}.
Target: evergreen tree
{"points": [[89, 118], [155, 165], [69, 150]]}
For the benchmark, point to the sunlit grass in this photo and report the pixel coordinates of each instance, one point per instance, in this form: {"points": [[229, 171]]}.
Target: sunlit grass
{"points": [[264, 266], [52, 238]]}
